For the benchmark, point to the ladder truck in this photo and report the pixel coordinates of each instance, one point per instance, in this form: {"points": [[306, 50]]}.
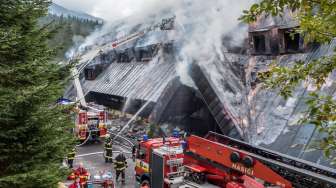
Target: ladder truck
{"points": [[90, 121], [219, 161]]}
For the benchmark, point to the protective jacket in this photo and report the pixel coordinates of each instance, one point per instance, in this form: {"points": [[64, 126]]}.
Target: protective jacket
{"points": [[71, 155], [108, 147], [120, 163], [83, 174], [108, 152]]}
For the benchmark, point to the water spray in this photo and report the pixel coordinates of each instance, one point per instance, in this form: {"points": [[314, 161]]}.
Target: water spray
{"points": [[132, 119]]}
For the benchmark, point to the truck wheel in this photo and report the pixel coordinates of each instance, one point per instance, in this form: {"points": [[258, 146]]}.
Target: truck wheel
{"points": [[199, 178]]}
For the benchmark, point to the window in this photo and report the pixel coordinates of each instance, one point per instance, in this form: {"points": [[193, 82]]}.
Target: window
{"points": [[123, 57], [145, 55], [89, 74], [259, 44], [292, 41], [141, 153]]}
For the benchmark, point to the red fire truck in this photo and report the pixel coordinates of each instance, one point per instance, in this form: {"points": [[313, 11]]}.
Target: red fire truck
{"points": [[90, 125], [162, 157], [220, 161]]}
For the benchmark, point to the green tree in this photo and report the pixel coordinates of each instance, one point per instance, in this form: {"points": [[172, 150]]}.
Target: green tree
{"points": [[33, 130], [65, 29], [317, 20]]}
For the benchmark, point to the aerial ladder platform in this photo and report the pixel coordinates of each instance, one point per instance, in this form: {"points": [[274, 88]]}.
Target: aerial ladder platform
{"points": [[245, 160]]}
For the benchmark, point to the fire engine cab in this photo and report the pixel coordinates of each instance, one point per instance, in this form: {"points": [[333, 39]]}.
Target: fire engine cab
{"points": [[159, 162]]}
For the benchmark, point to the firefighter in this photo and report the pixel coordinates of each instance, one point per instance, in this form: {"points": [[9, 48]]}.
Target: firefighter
{"points": [[120, 164], [108, 152], [134, 151], [93, 128], [83, 174], [107, 138], [71, 157], [76, 184]]}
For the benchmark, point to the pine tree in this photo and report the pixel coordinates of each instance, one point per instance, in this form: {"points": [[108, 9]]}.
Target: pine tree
{"points": [[33, 131]]}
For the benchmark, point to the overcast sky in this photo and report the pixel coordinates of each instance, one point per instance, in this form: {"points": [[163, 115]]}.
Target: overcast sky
{"points": [[106, 9]]}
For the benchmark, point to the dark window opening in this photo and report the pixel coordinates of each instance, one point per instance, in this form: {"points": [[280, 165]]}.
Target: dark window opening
{"points": [[145, 55], [92, 72], [168, 48], [259, 42], [123, 57], [89, 74], [292, 42]]}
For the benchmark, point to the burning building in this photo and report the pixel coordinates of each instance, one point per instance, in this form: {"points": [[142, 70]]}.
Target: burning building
{"points": [[225, 94], [143, 72]]}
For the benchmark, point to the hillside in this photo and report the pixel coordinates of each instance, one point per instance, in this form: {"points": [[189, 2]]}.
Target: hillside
{"points": [[68, 31], [58, 10]]}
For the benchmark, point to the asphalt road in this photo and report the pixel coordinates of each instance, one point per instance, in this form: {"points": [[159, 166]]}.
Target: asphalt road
{"points": [[91, 156]]}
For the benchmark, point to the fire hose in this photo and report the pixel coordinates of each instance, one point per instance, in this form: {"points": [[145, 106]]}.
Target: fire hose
{"points": [[86, 140], [88, 137], [116, 135]]}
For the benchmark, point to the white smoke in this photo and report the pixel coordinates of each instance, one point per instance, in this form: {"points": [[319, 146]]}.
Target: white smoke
{"points": [[200, 26], [208, 22], [203, 22]]}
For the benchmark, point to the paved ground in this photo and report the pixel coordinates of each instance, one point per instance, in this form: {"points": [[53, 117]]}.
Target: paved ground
{"points": [[91, 155]]}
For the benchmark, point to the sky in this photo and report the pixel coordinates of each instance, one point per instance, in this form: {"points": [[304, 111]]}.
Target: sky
{"points": [[106, 9]]}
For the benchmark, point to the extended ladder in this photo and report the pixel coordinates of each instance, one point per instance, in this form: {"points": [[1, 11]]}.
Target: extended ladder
{"points": [[301, 173]]}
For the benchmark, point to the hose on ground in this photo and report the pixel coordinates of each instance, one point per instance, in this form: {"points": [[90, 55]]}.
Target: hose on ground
{"points": [[116, 135], [87, 139]]}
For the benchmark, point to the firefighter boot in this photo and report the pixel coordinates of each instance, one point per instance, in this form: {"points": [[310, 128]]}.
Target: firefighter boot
{"points": [[123, 177]]}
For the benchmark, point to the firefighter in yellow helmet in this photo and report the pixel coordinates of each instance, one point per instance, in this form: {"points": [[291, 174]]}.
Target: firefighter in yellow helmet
{"points": [[120, 164], [108, 152], [71, 157], [108, 149]]}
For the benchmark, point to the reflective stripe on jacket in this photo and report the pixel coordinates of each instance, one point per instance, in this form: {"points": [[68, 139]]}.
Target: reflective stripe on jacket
{"points": [[108, 146], [71, 155], [120, 165]]}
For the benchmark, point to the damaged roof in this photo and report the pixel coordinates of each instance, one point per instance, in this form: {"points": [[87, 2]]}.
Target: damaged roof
{"points": [[277, 119], [156, 37], [137, 80], [266, 118], [225, 78], [266, 22]]}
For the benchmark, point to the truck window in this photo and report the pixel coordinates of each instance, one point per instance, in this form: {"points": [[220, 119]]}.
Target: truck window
{"points": [[141, 154]]}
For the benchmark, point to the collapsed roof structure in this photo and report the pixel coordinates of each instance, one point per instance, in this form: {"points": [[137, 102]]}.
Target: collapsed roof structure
{"points": [[275, 120], [225, 95]]}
